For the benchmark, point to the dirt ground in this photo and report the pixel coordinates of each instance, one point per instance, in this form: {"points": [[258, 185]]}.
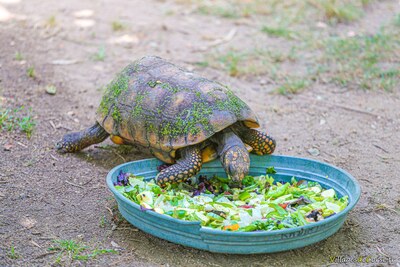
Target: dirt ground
{"points": [[47, 196]]}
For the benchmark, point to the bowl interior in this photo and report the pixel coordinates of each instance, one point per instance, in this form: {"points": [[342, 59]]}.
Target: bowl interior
{"points": [[192, 234]]}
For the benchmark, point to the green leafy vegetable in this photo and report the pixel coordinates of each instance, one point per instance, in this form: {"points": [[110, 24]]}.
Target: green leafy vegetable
{"points": [[271, 170], [260, 205]]}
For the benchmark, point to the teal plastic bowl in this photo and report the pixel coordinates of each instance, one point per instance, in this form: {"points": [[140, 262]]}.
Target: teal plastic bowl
{"points": [[193, 235]]}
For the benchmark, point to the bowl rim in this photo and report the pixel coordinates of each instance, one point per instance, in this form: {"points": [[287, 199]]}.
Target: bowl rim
{"points": [[210, 231]]}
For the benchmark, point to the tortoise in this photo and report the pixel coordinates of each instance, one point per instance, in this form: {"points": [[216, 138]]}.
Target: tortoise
{"points": [[184, 119]]}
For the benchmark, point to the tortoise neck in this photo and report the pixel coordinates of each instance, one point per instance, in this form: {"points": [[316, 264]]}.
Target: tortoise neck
{"points": [[227, 139]]}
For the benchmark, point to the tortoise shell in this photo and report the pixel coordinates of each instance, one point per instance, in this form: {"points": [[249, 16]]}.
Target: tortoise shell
{"points": [[158, 105]]}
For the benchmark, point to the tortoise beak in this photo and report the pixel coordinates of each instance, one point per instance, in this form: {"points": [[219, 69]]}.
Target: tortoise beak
{"points": [[60, 147]]}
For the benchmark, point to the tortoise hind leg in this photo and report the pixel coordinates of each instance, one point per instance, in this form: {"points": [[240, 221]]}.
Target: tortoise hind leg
{"points": [[73, 142], [187, 166]]}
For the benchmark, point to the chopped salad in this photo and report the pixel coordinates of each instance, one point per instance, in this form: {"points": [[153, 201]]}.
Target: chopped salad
{"points": [[261, 204]]}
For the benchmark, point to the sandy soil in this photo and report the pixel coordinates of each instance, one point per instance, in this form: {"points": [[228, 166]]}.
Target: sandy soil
{"points": [[46, 196]]}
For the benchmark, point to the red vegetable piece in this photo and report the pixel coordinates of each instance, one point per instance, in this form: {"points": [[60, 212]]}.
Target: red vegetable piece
{"points": [[283, 205], [246, 206]]}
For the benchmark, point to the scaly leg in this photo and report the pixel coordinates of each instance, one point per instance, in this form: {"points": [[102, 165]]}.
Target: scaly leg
{"points": [[261, 142], [187, 166]]}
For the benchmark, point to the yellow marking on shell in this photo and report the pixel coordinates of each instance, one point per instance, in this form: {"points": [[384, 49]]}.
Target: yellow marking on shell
{"points": [[139, 134], [163, 157], [152, 137], [270, 142], [197, 137], [251, 124], [171, 177], [248, 148], [117, 139], [108, 124], [165, 179]]}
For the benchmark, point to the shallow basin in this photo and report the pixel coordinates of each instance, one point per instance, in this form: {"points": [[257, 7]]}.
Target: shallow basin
{"points": [[193, 235]]}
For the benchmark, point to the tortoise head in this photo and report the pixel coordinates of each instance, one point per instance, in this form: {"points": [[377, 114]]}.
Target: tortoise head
{"points": [[69, 143], [236, 162]]}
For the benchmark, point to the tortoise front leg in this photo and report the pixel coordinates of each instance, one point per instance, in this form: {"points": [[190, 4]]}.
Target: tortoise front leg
{"points": [[187, 166], [261, 142], [73, 142]]}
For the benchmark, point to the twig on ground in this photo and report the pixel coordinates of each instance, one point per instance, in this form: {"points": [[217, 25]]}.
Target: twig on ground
{"points": [[227, 38], [77, 185], [342, 107], [356, 110], [120, 156], [381, 148], [36, 244], [47, 237], [111, 213], [46, 254], [53, 125], [127, 228], [65, 127], [21, 144], [381, 252], [56, 159]]}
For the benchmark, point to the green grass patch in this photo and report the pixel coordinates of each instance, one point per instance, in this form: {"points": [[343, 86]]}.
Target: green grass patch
{"points": [[224, 12], [396, 21], [250, 62], [367, 61], [70, 250], [340, 11], [31, 73], [12, 254], [291, 11], [19, 118], [18, 56], [234, 9], [51, 22], [231, 61], [100, 55], [292, 85], [279, 31], [117, 26], [311, 54]]}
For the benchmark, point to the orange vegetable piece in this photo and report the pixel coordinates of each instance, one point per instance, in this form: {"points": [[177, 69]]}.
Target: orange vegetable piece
{"points": [[232, 227]]}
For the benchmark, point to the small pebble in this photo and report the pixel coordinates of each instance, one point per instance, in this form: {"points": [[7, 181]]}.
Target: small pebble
{"points": [[313, 151], [115, 245]]}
